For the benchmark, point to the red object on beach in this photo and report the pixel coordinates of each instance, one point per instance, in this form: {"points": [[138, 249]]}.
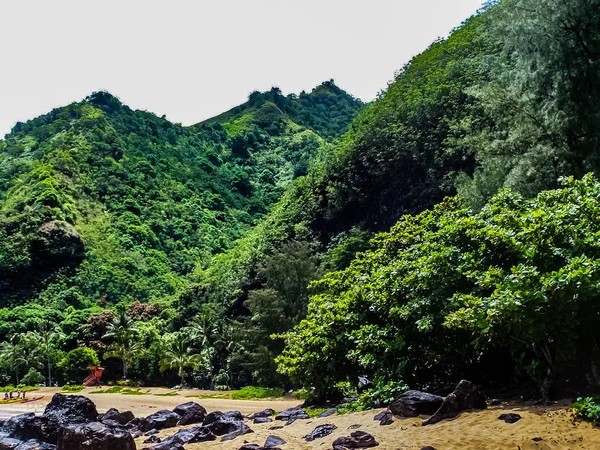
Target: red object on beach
{"points": [[94, 377]]}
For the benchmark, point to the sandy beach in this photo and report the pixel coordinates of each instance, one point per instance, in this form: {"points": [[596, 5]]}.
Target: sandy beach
{"points": [[541, 428]]}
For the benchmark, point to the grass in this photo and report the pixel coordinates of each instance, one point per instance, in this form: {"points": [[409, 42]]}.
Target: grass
{"points": [[246, 393], [20, 387], [72, 388], [121, 390], [168, 394]]}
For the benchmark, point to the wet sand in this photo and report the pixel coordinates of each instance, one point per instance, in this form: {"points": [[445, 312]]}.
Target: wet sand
{"points": [[554, 428]]}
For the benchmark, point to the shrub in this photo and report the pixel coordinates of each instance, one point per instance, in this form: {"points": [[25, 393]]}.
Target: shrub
{"points": [[33, 378], [588, 408]]}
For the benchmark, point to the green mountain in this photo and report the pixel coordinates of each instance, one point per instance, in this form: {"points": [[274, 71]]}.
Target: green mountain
{"points": [[100, 204]]}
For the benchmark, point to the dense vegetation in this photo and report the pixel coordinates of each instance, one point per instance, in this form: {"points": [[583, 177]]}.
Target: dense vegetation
{"points": [[102, 206], [259, 247]]}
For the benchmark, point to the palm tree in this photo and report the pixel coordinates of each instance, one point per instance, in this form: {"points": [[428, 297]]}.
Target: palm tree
{"points": [[48, 334], [180, 355], [124, 347], [11, 351]]}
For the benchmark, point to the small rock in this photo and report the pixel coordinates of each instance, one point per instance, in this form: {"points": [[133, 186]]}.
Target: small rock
{"points": [[510, 417], [273, 442], [276, 427], [387, 419], [320, 432], [428, 447], [358, 439], [415, 403], [356, 426], [262, 420], [152, 440], [329, 412], [264, 413]]}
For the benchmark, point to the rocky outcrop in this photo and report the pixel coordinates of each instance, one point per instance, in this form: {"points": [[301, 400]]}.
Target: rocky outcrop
{"points": [[465, 397], [358, 439], [94, 436], [416, 403]]}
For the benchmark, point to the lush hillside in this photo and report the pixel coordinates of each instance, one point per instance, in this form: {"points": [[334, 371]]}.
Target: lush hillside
{"points": [[100, 203]]}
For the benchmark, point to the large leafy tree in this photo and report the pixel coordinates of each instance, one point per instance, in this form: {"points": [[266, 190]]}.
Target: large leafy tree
{"points": [[542, 105]]}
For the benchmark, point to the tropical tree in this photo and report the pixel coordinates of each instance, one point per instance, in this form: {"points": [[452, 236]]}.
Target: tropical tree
{"points": [[179, 355], [49, 334], [124, 346], [10, 351]]}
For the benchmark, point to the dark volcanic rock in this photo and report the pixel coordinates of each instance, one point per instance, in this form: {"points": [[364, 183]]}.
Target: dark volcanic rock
{"points": [[159, 420], [195, 434], [221, 424], [94, 436], [245, 429], [415, 403], [380, 415], [70, 409], [356, 426], [273, 442], [510, 417], [329, 412], [171, 443], [320, 432], [114, 415], [276, 427], [250, 447], [427, 447], [358, 439], [153, 440], [292, 413], [465, 397], [190, 412], [264, 413], [262, 420], [387, 418], [31, 444]]}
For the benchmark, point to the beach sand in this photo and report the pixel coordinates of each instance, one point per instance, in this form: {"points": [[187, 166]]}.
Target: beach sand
{"points": [[553, 427]]}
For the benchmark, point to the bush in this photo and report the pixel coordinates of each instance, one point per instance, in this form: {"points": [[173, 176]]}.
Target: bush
{"points": [[76, 362], [253, 392], [72, 388], [33, 378], [588, 408]]}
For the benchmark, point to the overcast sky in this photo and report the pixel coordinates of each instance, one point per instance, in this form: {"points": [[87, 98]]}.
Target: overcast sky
{"points": [[193, 59]]}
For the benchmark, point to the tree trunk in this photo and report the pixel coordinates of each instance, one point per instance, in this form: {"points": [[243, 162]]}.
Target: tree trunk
{"points": [[124, 370], [49, 374], [182, 374]]}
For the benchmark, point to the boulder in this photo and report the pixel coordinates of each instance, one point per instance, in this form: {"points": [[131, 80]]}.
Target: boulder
{"points": [[320, 432], [190, 412], [115, 416], [415, 403], [465, 397], [94, 436], [358, 439], [168, 444], [195, 434], [273, 442], [70, 409], [221, 424], [510, 417], [160, 420]]}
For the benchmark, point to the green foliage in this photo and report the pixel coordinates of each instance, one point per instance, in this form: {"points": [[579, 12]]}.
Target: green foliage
{"points": [[71, 388], [20, 387], [33, 378], [254, 393], [75, 363], [541, 108], [588, 408], [447, 288]]}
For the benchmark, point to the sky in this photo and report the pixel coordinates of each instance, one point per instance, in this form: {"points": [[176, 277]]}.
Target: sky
{"points": [[193, 59]]}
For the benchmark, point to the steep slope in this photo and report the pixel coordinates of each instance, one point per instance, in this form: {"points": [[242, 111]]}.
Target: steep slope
{"points": [[102, 203]]}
